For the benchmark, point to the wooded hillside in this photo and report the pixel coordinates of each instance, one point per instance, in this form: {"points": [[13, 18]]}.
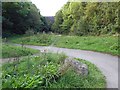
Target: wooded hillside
{"points": [[21, 17], [87, 18]]}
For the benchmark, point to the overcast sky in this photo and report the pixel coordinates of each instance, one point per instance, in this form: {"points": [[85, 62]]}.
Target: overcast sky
{"points": [[49, 7]]}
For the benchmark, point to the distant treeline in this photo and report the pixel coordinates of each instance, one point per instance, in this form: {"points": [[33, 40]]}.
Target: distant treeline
{"points": [[88, 18], [22, 17]]}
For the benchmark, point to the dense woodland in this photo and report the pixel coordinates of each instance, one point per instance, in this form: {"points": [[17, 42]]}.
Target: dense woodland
{"points": [[21, 17], [87, 18], [73, 18]]}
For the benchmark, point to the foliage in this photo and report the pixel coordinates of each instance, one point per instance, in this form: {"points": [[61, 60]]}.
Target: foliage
{"points": [[39, 39], [18, 17], [31, 72], [58, 21], [107, 44], [95, 79], [49, 21], [87, 18], [16, 51], [41, 72], [29, 32]]}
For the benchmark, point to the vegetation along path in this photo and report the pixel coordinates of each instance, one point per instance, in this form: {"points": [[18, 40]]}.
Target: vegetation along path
{"points": [[108, 64]]}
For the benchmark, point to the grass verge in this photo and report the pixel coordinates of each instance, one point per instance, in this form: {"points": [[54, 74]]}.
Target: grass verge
{"points": [[41, 72], [16, 51], [106, 44]]}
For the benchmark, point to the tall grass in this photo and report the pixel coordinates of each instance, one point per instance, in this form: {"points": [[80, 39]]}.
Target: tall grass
{"points": [[16, 51], [106, 44]]}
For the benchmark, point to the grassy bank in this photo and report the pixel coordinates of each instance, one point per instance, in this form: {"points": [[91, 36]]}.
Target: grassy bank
{"points": [[106, 44], [41, 72], [16, 51]]}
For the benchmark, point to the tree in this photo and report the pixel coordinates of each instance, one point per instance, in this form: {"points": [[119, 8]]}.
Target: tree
{"points": [[58, 21], [18, 17], [88, 18]]}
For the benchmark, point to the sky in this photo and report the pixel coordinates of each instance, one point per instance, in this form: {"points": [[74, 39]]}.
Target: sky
{"points": [[49, 7]]}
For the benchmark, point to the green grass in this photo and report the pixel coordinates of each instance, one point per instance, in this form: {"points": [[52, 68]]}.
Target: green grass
{"points": [[40, 39], [106, 44], [95, 79], [16, 51], [41, 71]]}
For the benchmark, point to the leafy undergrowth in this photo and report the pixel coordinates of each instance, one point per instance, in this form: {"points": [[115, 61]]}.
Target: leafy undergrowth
{"points": [[39, 39], [107, 44], [42, 72], [16, 51], [95, 78]]}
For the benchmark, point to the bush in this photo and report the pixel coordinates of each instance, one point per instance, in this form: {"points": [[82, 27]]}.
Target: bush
{"points": [[29, 32]]}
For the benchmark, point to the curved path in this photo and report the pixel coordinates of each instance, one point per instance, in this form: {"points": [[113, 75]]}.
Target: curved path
{"points": [[108, 64]]}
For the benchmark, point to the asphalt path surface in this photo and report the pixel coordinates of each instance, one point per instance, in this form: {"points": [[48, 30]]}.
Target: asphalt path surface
{"points": [[108, 64]]}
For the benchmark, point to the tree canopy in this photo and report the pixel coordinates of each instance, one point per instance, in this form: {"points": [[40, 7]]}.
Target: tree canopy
{"points": [[87, 18], [18, 17]]}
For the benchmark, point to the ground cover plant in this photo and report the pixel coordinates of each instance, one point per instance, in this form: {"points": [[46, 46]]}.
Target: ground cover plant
{"points": [[107, 44], [16, 51], [37, 39], [42, 72]]}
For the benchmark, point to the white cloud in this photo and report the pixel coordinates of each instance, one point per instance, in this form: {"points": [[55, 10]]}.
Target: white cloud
{"points": [[49, 7]]}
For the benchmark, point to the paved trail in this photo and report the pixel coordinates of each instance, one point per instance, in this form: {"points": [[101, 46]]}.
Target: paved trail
{"points": [[108, 64]]}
